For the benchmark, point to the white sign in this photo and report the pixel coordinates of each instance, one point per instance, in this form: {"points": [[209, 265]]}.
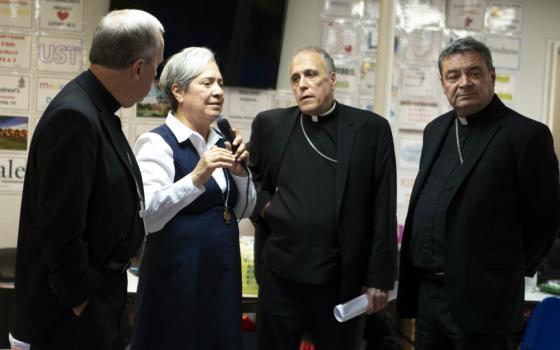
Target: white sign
{"points": [[415, 115], [405, 182], [14, 92], [346, 74], [409, 149], [47, 88], [12, 173], [56, 54], [244, 105], [418, 81], [15, 51], [339, 36], [503, 18], [64, 15], [466, 14], [16, 13], [505, 51]]}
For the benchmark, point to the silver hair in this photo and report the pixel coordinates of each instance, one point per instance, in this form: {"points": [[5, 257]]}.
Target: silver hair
{"points": [[467, 44], [124, 36], [182, 68], [327, 59]]}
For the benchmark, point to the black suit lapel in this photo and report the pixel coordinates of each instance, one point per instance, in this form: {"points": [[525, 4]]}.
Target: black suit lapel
{"points": [[280, 142], [481, 137], [430, 153], [346, 137]]}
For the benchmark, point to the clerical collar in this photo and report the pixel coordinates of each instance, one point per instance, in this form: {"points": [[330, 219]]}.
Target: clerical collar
{"points": [[316, 118], [463, 121]]}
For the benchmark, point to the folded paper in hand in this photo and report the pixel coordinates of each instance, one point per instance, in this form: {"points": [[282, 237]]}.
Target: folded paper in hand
{"points": [[351, 308]]}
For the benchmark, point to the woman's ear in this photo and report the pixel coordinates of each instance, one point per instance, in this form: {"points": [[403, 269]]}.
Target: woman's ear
{"points": [[178, 92]]}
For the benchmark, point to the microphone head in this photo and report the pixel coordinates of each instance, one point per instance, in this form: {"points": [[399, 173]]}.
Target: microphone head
{"points": [[225, 128]]}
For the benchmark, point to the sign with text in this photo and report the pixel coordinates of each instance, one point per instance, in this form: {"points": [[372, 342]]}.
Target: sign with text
{"points": [[64, 15], [15, 50], [16, 13], [55, 54], [47, 88], [14, 92], [13, 133], [12, 173]]}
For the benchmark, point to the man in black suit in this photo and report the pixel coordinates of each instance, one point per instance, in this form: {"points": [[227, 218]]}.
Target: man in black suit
{"points": [[484, 210], [82, 197], [325, 215]]}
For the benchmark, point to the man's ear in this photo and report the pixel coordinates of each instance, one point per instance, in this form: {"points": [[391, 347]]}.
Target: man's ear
{"points": [[333, 80], [136, 68]]}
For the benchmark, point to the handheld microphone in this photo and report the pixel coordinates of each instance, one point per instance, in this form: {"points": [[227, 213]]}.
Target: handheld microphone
{"points": [[225, 129]]}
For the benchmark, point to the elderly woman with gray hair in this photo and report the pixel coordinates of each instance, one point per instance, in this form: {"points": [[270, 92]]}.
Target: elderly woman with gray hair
{"points": [[189, 293]]}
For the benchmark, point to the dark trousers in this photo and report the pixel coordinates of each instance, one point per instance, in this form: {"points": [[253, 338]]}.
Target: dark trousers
{"points": [[286, 310], [436, 329]]}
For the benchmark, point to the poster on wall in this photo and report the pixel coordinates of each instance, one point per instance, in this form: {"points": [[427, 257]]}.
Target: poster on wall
{"points": [[503, 18], [15, 51], [14, 92], [467, 15], [419, 81], [16, 13], [47, 88], [12, 173], [284, 99], [415, 115], [421, 46], [346, 68], [505, 87], [405, 182], [367, 76], [244, 105], [339, 36], [13, 133], [154, 104], [409, 149], [505, 51], [62, 15], [56, 54]]}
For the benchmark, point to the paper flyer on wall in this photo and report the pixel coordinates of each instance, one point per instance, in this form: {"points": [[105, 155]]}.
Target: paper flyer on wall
{"points": [[422, 14], [16, 13], [419, 81], [12, 172], [416, 114], [15, 50], [421, 46], [339, 36], [347, 72], [57, 54], [14, 92], [503, 18], [13, 133], [405, 182], [504, 87], [506, 51], [154, 104], [409, 150], [47, 89], [62, 15], [463, 14], [244, 105]]}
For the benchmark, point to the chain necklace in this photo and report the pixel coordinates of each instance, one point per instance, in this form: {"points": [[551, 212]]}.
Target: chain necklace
{"points": [[311, 143], [227, 212], [458, 142]]}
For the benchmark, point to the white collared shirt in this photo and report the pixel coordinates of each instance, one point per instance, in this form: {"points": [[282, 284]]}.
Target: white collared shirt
{"points": [[164, 197]]}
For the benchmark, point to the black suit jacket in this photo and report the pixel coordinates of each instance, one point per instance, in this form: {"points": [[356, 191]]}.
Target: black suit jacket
{"points": [[502, 217], [365, 191], [79, 211]]}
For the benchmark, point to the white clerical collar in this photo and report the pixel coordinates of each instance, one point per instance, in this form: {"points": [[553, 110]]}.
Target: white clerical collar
{"points": [[316, 118], [463, 121]]}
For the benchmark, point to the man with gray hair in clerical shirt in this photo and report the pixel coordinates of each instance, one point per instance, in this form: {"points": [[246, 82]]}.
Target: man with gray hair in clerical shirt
{"points": [[484, 210], [82, 203]]}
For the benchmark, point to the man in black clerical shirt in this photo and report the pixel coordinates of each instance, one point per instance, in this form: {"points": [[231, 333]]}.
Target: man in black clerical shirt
{"points": [[325, 214], [483, 212]]}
